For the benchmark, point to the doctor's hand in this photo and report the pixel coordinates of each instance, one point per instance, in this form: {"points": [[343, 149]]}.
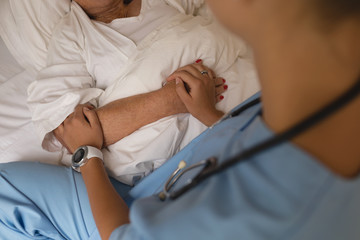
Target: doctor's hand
{"points": [[199, 89], [81, 128]]}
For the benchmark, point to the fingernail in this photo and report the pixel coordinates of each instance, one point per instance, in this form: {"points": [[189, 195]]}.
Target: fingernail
{"points": [[198, 61], [177, 80], [226, 87], [221, 97], [86, 109], [224, 81]]}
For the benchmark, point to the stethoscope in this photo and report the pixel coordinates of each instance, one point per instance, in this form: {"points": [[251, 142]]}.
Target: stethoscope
{"points": [[210, 166]]}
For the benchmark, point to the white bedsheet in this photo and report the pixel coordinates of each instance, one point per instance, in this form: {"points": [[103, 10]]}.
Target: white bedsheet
{"points": [[8, 66], [18, 140]]}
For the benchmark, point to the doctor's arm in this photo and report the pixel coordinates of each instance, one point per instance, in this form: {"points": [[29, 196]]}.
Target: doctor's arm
{"points": [[109, 210]]}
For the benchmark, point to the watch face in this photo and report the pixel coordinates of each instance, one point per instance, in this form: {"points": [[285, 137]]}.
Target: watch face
{"points": [[79, 155]]}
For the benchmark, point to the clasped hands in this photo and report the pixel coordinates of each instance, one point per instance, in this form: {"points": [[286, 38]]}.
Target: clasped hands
{"points": [[196, 85]]}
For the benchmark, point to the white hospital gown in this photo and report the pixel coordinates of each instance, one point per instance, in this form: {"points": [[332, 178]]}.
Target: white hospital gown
{"points": [[98, 63]]}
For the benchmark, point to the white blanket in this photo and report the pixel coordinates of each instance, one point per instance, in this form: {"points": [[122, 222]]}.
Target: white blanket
{"points": [[122, 72], [18, 139], [8, 65]]}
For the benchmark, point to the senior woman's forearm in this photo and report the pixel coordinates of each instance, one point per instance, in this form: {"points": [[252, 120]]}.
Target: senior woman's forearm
{"points": [[124, 116]]}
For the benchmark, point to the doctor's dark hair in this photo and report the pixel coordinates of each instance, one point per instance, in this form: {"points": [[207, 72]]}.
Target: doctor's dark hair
{"points": [[126, 2], [335, 10]]}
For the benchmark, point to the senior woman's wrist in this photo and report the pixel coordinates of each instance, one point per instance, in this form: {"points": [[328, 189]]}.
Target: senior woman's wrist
{"points": [[174, 104]]}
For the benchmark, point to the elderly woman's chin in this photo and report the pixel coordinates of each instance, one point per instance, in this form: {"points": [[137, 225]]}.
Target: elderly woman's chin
{"points": [[108, 10], [92, 4]]}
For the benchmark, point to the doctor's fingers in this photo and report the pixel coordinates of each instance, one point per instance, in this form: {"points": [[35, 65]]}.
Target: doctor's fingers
{"points": [[218, 96], [78, 108], [189, 80], [76, 119], [220, 90], [88, 105], [220, 86], [92, 117], [204, 70], [219, 81], [59, 134], [196, 70], [183, 92]]}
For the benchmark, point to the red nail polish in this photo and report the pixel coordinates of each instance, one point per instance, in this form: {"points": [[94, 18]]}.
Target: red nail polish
{"points": [[224, 81], [221, 97], [198, 61], [226, 87]]}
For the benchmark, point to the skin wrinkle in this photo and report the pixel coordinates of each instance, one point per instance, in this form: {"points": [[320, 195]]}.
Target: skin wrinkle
{"points": [[108, 10], [106, 15]]}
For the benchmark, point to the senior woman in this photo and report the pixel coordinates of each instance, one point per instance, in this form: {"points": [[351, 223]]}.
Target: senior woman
{"points": [[283, 167]]}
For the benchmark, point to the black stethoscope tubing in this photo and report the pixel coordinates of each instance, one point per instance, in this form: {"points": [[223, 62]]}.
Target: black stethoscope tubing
{"points": [[211, 169]]}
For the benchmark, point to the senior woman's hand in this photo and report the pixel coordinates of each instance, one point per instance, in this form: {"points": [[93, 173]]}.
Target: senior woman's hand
{"points": [[200, 89], [81, 128]]}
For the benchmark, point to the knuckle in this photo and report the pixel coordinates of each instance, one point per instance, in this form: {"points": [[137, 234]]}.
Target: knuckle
{"points": [[56, 133], [76, 121], [198, 84], [66, 121]]}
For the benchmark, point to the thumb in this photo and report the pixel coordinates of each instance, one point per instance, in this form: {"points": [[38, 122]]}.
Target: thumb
{"points": [[181, 91], [170, 78], [91, 116]]}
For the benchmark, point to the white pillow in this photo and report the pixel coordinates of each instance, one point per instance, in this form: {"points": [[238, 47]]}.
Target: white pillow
{"points": [[26, 27]]}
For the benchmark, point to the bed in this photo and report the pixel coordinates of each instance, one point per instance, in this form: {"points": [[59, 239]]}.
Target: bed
{"points": [[25, 30], [18, 140]]}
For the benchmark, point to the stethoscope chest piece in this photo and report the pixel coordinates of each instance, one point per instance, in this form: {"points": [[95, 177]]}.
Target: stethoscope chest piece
{"points": [[208, 165]]}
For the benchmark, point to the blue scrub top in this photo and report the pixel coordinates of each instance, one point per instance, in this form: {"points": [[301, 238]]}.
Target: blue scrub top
{"points": [[281, 193]]}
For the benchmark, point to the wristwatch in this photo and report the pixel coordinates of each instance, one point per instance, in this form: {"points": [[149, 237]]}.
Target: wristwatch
{"points": [[83, 154]]}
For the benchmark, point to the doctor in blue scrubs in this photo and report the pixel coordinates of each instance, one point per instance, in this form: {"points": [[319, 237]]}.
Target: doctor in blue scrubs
{"points": [[283, 165]]}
